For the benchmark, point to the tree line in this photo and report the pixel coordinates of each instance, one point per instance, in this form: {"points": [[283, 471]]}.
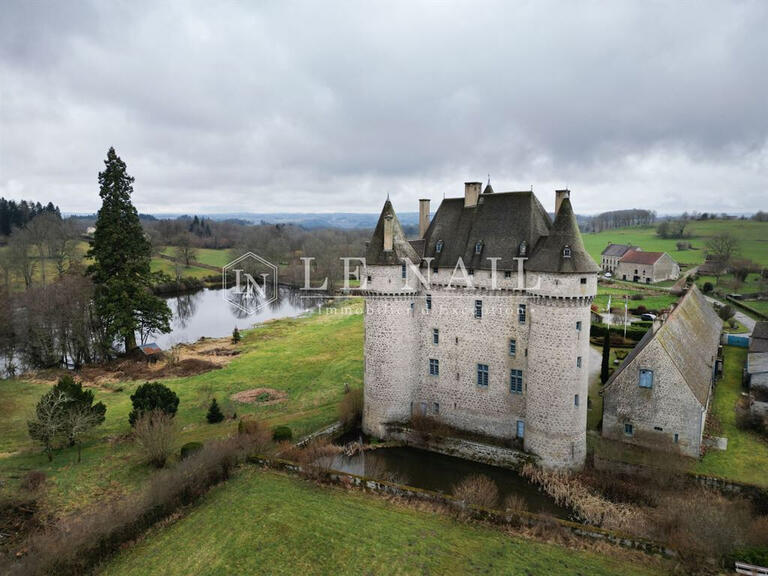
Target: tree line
{"points": [[620, 219], [17, 214]]}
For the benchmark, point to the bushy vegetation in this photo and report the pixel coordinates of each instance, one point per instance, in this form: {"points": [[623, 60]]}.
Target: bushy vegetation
{"points": [[477, 490], [155, 435], [282, 433], [351, 408], [190, 448], [153, 396], [215, 415]]}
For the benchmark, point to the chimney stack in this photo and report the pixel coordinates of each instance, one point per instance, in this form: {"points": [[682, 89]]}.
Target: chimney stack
{"points": [[388, 236], [472, 193], [560, 195], [423, 216]]}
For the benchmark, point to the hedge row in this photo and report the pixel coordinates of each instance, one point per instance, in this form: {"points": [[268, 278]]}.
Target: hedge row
{"points": [[634, 332]]}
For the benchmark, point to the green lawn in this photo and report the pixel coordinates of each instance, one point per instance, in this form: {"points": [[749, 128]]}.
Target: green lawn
{"points": [[752, 235], [168, 267], [759, 305], [746, 458], [266, 523], [651, 300], [311, 358], [209, 256]]}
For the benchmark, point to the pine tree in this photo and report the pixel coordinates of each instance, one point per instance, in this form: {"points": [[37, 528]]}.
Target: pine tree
{"points": [[605, 367], [121, 267], [215, 415]]}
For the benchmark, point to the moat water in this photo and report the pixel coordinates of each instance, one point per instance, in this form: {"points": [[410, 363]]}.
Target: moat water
{"points": [[440, 473]]}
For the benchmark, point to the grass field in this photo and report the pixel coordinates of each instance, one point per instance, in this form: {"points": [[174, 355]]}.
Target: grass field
{"points": [[207, 256], [651, 300], [263, 522], [746, 458], [168, 267], [753, 237], [310, 358]]}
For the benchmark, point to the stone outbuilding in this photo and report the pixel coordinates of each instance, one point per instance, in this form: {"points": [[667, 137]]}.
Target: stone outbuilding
{"points": [[647, 267], [660, 395], [609, 258]]}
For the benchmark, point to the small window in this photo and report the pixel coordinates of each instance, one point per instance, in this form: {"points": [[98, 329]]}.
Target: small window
{"points": [[516, 381], [521, 314], [439, 246], [583, 280], [578, 325], [507, 273], [369, 278], [411, 306], [429, 301], [434, 270], [567, 252], [578, 362], [575, 399], [512, 347], [434, 367], [435, 336], [482, 375], [478, 247], [523, 249], [676, 438], [436, 407], [646, 378], [658, 428], [628, 429], [471, 271], [403, 270], [478, 308]]}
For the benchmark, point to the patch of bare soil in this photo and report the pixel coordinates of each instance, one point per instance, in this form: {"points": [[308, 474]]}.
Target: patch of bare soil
{"points": [[261, 396]]}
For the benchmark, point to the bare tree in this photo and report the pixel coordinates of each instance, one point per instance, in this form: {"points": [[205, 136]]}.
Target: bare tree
{"points": [[186, 251], [50, 422], [19, 247], [722, 248], [155, 435]]}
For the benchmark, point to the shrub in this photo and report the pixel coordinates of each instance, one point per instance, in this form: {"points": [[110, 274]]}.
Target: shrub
{"points": [[726, 312], [215, 415], [155, 435], [190, 448], [637, 296], [515, 503], [707, 287], [477, 490], [236, 335], [257, 432], [152, 396], [33, 480], [282, 433], [351, 408]]}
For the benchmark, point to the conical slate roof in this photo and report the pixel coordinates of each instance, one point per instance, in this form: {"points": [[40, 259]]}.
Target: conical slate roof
{"points": [[401, 248], [551, 255]]}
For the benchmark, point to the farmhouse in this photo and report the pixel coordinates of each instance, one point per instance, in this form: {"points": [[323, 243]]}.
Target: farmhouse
{"points": [[647, 267], [609, 258], [482, 322], [660, 394]]}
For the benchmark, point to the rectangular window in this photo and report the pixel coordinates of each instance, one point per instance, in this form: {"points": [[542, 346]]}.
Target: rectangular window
{"points": [[521, 314], [471, 271], [434, 270], [507, 273], [578, 362], [370, 278], [429, 301], [434, 367], [583, 280], [575, 399], [482, 375], [403, 270], [578, 325], [436, 407], [478, 308], [628, 430], [676, 438], [516, 381], [646, 378], [512, 347], [435, 336]]}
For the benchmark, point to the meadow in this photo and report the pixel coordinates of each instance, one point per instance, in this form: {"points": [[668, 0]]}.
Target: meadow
{"points": [[265, 522]]}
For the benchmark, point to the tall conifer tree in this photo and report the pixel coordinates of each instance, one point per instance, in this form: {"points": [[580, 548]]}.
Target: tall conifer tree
{"points": [[121, 261]]}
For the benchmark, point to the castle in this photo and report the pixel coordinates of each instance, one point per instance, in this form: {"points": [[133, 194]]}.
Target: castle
{"points": [[482, 322]]}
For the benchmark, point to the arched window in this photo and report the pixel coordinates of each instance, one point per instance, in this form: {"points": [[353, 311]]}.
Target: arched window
{"points": [[567, 252]]}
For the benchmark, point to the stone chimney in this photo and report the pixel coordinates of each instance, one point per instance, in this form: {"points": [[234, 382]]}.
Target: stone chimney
{"points": [[472, 193], [423, 216], [388, 235], [559, 196]]}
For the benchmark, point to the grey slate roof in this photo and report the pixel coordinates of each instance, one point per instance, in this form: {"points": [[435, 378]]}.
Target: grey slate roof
{"points": [[375, 254], [549, 255], [757, 362], [690, 337], [617, 250], [500, 221], [760, 330]]}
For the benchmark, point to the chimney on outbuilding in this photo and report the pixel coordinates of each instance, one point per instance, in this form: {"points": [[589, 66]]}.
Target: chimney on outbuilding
{"points": [[560, 195], [423, 216], [472, 193], [388, 240]]}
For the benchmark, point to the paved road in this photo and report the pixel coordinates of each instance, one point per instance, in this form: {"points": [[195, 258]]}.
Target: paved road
{"points": [[746, 321]]}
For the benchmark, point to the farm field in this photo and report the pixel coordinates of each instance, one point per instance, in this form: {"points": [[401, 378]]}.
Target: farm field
{"points": [[752, 235], [168, 267], [309, 358], [264, 519], [209, 256]]}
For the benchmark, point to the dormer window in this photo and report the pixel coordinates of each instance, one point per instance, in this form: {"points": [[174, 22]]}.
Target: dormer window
{"points": [[478, 247], [523, 250], [567, 252], [439, 246]]}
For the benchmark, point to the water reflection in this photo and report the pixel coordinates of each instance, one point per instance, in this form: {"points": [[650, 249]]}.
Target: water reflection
{"points": [[208, 313]]}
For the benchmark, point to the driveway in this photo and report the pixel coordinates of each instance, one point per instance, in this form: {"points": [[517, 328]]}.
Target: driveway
{"points": [[745, 320]]}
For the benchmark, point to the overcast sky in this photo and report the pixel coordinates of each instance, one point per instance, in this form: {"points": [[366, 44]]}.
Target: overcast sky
{"points": [[328, 106]]}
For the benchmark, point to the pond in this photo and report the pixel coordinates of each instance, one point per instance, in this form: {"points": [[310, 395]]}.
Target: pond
{"points": [[439, 473], [207, 313]]}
